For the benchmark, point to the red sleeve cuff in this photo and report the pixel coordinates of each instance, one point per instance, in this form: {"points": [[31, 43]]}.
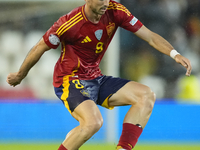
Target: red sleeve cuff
{"points": [[46, 40], [137, 26]]}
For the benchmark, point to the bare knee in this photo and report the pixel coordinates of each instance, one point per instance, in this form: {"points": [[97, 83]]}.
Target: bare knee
{"points": [[134, 93], [88, 129], [147, 98], [142, 97], [141, 94], [94, 126]]}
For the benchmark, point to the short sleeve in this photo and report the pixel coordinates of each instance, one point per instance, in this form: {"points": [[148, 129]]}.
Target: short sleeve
{"points": [[131, 24], [51, 37], [124, 18]]}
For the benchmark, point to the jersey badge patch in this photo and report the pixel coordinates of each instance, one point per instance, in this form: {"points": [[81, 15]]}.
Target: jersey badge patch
{"points": [[85, 93], [54, 40], [98, 34], [133, 21], [86, 40], [110, 29]]}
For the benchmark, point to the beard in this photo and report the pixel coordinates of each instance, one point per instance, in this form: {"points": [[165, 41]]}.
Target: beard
{"points": [[98, 11]]}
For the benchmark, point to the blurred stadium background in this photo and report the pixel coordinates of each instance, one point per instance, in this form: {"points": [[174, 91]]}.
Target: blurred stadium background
{"points": [[31, 113]]}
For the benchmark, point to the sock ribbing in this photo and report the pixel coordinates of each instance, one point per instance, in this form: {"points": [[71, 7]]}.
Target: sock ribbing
{"points": [[129, 136]]}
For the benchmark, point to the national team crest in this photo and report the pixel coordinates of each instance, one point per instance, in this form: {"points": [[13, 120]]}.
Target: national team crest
{"points": [[110, 29], [85, 93], [99, 34]]}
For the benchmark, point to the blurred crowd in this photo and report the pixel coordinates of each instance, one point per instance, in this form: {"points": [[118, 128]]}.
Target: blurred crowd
{"points": [[178, 21]]}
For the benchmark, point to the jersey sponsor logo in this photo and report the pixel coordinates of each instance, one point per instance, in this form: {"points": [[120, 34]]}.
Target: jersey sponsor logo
{"points": [[120, 7], [86, 40], [98, 34], [133, 21], [53, 39], [110, 29]]}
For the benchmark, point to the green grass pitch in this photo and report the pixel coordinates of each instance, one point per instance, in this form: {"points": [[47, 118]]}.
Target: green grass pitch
{"points": [[97, 147]]}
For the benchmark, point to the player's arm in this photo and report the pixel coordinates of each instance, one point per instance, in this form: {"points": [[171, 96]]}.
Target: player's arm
{"points": [[160, 44], [31, 59]]}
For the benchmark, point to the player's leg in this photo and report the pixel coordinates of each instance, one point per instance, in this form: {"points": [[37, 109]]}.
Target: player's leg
{"points": [[142, 100], [140, 97], [90, 119], [79, 97]]}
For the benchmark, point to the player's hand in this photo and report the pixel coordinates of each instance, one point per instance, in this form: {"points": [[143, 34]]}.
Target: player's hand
{"points": [[185, 63], [14, 79]]}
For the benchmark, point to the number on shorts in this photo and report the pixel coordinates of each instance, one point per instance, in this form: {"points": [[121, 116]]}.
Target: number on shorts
{"points": [[77, 83]]}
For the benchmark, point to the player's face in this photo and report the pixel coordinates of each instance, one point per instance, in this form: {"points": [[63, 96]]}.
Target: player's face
{"points": [[99, 7]]}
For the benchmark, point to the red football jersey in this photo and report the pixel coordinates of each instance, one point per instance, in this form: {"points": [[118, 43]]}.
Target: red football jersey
{"points": [[84, 43]]}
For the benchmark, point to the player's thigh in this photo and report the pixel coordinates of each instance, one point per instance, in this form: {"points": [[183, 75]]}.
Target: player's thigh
{"points": [[87, 113], [129, 94]]}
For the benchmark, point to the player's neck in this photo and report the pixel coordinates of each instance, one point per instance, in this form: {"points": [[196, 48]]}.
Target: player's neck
{"points": [[93, 17]]}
